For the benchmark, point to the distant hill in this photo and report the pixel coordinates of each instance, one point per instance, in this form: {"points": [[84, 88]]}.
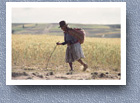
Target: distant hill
{"points": [[102, 31]]}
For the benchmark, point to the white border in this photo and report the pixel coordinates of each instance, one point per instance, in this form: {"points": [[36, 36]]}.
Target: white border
{"points": [[10, 5]]}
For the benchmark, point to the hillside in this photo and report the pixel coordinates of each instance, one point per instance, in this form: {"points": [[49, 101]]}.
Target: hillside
{"points": [[103, 31]]}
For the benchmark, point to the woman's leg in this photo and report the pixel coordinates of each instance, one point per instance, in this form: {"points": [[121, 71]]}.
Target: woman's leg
{"points": [[84, 64], [71, 67]]}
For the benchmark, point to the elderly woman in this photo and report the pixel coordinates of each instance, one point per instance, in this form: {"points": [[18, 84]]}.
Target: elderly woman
{"points": [[74, 51]]}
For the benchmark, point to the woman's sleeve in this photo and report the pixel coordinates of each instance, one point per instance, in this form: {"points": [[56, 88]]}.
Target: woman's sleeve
{"points": [[64, 40], [64, 43]]}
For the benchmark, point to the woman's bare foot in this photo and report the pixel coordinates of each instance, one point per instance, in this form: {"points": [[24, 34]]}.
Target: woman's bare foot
{"points": [[71, 70], [85, 67]]}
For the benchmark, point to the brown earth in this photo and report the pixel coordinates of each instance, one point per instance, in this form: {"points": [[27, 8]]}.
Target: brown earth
{"points": [[61, 74]]}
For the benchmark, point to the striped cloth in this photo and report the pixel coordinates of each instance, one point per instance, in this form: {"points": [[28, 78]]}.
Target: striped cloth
{"points": [[74, 52]]}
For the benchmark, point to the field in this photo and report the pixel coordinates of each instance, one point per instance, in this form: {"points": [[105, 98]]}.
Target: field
{"points": [[92, 30], [30, 55]]}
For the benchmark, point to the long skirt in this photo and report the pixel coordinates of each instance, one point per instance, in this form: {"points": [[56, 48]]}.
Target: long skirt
{"points": [[74, 52]]}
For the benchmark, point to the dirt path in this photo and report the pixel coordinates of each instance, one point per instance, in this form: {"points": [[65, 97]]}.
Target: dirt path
{"points": [[41, 74], [46, 30]]}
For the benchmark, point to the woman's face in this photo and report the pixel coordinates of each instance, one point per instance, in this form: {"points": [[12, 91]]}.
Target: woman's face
{"points": [[64, 28]]}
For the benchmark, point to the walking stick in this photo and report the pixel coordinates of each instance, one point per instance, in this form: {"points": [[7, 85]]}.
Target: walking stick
{"points": [[50, 57]]}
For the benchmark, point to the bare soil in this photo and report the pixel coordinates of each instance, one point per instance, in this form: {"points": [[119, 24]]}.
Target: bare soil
{"points": [[19, 73]]}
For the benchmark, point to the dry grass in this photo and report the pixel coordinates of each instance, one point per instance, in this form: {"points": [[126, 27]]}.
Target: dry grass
{"points": [[34, 51]]}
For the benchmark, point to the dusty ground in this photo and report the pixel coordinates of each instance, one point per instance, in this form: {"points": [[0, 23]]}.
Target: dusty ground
{"points": [[29, 73]]}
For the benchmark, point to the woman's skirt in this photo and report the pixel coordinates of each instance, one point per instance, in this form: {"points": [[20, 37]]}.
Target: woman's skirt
{"points": [[74, 52]]}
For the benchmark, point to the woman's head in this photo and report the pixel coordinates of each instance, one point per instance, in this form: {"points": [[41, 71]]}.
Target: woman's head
{"points": [[63, 25]]}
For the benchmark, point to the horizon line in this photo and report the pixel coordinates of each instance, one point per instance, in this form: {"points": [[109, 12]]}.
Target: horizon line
{"points": [[67, 23]]}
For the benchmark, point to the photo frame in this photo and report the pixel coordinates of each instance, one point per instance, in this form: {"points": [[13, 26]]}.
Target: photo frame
{"points": [[57, 7]]}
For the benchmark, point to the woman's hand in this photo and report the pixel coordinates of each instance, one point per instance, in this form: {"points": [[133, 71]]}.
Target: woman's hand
{"points": [[59, 43]]}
